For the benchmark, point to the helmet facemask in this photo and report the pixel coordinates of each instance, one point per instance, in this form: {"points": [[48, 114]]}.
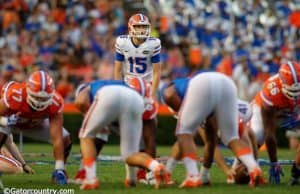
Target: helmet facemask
{"points": [[39, 100], [292, 92], [139, 31]]}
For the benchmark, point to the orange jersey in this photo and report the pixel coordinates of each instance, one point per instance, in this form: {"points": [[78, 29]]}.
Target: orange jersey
{"points": [[271, 96], [14, 95]]}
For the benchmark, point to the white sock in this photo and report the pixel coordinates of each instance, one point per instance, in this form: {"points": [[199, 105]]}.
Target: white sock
{"points": [[191, 166], [59, 165], [171, 163], [153, 165], [130, 172], [204, 173], [90, 171], [249, 161]]}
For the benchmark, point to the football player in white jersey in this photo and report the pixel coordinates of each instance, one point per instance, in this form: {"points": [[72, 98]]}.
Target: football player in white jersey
{"points": [[138, 55]]}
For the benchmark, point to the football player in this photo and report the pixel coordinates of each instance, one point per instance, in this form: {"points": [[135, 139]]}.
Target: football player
{"points": [[116, 102], [11, 160], [138, 55], [84, 97], [209, 94], [276, 106], [35, 108], [172, 94]]}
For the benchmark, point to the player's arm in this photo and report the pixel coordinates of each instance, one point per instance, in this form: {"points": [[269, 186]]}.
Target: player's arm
{"points": [[119, 59], [156, 66], [269, 123], [156, 78], [56, 123], [14, 151], [118, 70], [82, 100], [171, 98]]}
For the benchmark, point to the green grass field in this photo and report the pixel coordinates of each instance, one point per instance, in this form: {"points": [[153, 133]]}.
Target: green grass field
{"points": [[111, 175]]}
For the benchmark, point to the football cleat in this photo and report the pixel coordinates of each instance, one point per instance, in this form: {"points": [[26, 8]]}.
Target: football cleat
{"points": [[295, 172], [160, 176], [89, 184], [80, 176], [59, 177], [191, 182], [129, 183], [256, 178]]}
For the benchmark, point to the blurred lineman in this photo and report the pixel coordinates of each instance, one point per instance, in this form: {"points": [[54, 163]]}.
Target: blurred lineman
{"points": [[84, 97], [35, 108], [138, 55], [208, 94], [110, 103], [276, 106], [173, 94]]}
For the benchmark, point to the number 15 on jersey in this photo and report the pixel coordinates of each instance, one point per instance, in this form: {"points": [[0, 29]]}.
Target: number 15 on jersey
{"points": [[137, 64]]}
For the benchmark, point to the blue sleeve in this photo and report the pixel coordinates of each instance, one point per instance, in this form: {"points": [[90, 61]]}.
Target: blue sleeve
{"points": [[119, 57], [155, 58]]}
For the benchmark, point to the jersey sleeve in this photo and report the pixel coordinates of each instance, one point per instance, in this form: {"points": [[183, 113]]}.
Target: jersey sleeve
{"points": [[57, 104], [270, 94], [156, 47], [119, 46], [12, 95]]}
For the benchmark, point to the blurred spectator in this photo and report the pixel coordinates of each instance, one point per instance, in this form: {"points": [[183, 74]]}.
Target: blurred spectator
{"points": [[243, 39]]}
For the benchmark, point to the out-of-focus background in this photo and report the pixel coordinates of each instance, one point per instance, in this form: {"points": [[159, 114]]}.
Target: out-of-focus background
{"points": [[74, 39]]}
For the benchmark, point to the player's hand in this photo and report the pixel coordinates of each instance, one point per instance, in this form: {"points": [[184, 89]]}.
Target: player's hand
{"points": [[12, 119], [230, 173], [275, 172], [59, 177], [148, 103], [27, 169]]}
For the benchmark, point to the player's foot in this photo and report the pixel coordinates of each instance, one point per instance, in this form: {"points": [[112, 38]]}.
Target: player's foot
{"points": [[160, 176], [168, 179], [294, 182], [88, 184], [295, 172], [256, 178], [59, 177], [129, 183], [191, 182], [80, 176], [141, 176]]}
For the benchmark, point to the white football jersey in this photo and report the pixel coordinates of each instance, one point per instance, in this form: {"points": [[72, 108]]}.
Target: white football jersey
{"points": [[137, 60], [245, 110]]}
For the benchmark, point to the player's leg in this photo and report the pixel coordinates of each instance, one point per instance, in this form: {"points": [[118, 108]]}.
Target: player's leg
{"points": [[295, 171], [193, 112], [100, 140], [99, 115], [9, 165], [149, 136], [227, 117]]}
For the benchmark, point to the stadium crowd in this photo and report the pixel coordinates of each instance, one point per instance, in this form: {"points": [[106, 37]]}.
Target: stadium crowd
{"points": [[74, 39]]}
